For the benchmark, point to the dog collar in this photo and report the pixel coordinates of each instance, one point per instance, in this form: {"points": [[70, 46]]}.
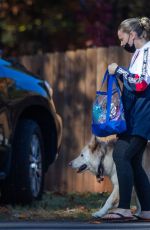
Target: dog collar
{"points": [[100, 173]]}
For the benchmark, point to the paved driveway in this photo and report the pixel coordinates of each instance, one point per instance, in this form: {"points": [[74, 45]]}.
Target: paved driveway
{"points": [[72, 225]]}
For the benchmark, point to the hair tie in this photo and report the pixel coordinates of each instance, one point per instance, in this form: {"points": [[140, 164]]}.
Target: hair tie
{"points": [[141, 24]]}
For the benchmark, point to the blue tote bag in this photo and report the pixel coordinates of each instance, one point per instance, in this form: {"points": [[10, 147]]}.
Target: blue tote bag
{"points": [[107, 110]]}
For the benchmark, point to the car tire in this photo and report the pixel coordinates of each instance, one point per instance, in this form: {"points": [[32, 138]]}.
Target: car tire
{"points": [[27, 174]]}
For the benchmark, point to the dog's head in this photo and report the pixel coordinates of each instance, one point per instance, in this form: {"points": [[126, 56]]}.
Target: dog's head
{"points": [[89, 157]]}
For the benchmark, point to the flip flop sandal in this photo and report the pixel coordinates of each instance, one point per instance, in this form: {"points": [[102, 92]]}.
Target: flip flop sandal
{"points": [[141, 219], [120, 218]]}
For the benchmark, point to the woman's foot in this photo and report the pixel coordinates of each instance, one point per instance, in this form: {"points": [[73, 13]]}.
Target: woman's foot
{"points": [[144, 215], [118, 214]]}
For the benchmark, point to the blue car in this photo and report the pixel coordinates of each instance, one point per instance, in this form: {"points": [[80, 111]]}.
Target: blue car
{"points": [[30, 133]]}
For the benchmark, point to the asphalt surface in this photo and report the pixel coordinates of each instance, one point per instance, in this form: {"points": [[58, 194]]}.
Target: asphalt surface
{"points": [[72, 225]]}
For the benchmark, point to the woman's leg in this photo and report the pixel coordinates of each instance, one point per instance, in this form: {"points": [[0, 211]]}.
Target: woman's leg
{"points": [[121, 147], [141, 181], [125, 150], [124, 171]]}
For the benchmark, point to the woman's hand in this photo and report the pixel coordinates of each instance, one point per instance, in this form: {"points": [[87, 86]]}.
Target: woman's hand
{"points": [[112, 68]]}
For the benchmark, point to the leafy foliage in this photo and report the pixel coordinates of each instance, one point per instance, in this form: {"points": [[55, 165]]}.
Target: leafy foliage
{"points": [[35, 26]]}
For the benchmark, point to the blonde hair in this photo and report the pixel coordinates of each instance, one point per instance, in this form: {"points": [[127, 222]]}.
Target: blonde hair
{"points": [[140, 25]]}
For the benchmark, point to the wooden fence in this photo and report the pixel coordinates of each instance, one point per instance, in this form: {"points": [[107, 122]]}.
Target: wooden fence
{"points": [[74, 76]]}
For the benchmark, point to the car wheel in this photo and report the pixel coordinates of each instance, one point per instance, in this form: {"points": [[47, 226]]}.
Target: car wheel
{"points": [[27, 168]]}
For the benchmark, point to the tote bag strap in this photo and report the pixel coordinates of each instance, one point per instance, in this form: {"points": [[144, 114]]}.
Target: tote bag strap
{"points": [[105, 78], [112, 80], [109, 95], [118, 89]]}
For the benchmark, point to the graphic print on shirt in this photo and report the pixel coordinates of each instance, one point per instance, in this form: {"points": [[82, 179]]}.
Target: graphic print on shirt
{"points": [[135, 82]]}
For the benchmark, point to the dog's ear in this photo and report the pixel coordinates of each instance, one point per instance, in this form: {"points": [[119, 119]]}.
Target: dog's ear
{"points": [[97, 144], [93, 143], [102, 145], [93, 139]]}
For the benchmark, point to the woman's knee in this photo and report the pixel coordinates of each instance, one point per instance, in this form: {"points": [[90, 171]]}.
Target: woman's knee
{"points": [[119, 158], [120, 150]]}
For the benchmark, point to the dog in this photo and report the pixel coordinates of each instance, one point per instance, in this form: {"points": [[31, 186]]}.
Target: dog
{"points": [[96, 157]]}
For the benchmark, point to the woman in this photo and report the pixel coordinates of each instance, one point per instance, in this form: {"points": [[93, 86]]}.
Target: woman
{"points": [[134, 35]]}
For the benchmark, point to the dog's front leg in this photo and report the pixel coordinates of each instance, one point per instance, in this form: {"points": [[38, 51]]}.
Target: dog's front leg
{"points": [[113, 199], [111, 202]]}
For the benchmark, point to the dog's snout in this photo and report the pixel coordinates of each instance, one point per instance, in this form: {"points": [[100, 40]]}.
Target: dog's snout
{"points": [[70, 163]]}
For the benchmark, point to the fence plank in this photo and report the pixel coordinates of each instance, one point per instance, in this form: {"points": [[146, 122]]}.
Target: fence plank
{"points": [[74, 104], [90, 89], [55, 74]]}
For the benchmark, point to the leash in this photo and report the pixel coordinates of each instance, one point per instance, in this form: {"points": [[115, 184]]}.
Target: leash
{"points": [[100, 173]]}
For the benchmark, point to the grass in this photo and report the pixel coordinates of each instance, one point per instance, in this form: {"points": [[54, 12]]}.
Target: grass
{"points": [[56, 206]]}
